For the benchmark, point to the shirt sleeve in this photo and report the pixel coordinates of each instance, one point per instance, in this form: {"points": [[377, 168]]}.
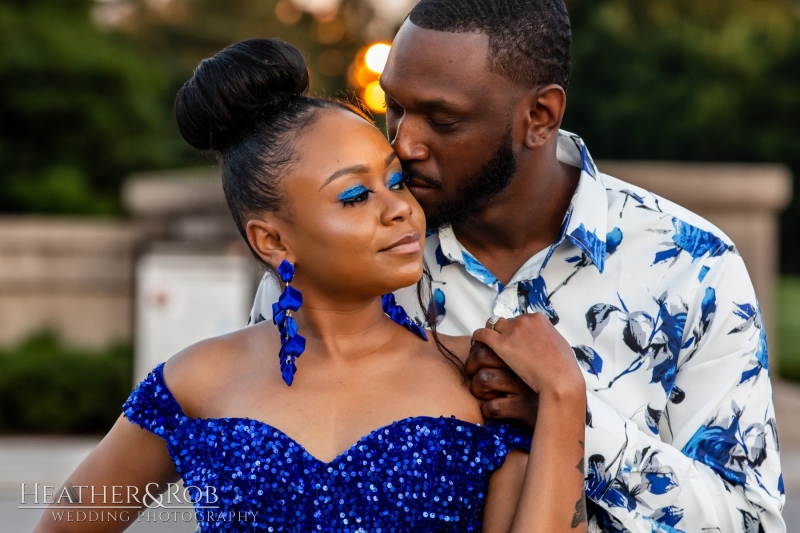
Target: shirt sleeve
{"points": [[267, 294], [715, 464], [152, 406]]}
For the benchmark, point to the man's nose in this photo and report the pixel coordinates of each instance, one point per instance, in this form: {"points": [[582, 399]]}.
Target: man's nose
{"points": [[408, 142]]}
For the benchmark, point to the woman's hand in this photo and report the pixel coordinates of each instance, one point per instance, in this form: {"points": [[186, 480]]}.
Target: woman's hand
{"points": [[534, 351], [551, 497]]}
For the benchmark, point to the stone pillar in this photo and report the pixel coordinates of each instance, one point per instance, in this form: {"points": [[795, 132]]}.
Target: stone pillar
{"points": [[186, 206], [195, 278], [71, 275], [743, 200]]}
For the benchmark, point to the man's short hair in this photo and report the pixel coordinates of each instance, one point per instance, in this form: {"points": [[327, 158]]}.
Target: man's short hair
{"points": [[529, 40]]}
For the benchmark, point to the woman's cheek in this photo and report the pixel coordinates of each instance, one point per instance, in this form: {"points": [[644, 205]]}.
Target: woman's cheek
{"points": [[349, 235]]}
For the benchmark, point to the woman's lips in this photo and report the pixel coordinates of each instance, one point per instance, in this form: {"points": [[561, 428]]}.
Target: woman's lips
{"points": [[407, 245]]}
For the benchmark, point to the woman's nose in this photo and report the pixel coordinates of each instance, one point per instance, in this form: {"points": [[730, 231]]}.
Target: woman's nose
{"points": [[397, 209]]}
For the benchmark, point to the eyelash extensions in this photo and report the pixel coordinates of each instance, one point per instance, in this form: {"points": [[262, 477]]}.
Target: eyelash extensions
{"points": [[354, 194]]}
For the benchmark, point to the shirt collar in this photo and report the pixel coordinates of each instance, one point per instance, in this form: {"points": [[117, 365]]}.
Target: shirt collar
{"points": [[584, 225], [452, 250], [586, 222]]}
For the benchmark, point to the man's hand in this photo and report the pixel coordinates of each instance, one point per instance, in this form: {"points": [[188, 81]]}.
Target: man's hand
{"points": [[514, 360], [503, 393]]}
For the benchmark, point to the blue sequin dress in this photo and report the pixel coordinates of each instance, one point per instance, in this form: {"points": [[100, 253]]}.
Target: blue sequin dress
{"points": [[419, 474]]}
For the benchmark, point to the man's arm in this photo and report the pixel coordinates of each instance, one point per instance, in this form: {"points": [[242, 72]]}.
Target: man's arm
{"points": [[716, 465]]}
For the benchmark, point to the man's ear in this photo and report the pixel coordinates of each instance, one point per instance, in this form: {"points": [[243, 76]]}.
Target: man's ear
{"points": [[268, 241], [544, 110]]}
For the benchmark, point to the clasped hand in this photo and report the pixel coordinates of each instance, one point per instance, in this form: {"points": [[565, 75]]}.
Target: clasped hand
{"points": [[511, 364]]}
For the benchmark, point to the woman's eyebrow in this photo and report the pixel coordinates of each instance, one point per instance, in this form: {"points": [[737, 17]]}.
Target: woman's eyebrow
{"points": [[389, 158], [356, 169]]}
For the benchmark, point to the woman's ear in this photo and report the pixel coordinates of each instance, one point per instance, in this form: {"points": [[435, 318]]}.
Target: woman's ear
{"points": [[267, 240], [544, 111]]}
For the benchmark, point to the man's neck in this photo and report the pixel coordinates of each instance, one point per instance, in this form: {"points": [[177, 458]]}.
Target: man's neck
{"points": [[523, 220]]}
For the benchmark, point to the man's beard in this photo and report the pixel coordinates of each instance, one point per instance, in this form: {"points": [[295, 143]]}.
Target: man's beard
{"points": [[477, 191]]}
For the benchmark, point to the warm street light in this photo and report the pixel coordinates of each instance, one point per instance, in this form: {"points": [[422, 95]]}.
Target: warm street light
{"points": [[365, 72], [376, 56], [374, 97]]}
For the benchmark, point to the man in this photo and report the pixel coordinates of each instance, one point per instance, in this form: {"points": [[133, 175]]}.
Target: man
{"points": [[654, 300]]}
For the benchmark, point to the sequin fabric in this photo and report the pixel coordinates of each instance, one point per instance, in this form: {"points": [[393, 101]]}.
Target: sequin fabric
{"points": [[418, 474]]}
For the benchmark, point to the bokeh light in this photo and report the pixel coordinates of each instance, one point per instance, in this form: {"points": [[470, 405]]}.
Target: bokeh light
{"points": [[329, 31], [376, 56], [287, 13], [364, 74], [374, 97]]}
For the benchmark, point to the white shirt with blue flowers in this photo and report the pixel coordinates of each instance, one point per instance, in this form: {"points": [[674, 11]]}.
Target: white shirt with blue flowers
{"points": [[662, 317]]}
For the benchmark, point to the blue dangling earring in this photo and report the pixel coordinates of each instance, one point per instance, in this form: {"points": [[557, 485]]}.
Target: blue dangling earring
{"points": [[292, 343], [399, 315]]}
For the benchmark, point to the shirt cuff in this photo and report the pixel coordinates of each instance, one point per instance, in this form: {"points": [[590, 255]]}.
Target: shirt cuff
{"points": [[608, 437]]}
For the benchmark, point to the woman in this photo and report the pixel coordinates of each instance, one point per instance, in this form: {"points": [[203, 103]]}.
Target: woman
{"points": [[318, 194]]}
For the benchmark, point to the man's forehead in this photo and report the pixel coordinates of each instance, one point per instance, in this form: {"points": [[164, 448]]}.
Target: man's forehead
{"points": [[419, 46], [433, 61]]}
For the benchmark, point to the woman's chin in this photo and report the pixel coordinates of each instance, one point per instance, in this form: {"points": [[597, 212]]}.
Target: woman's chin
{"points": [[400, 280]]}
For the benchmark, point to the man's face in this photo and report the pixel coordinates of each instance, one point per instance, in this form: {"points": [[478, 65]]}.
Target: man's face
{"points": [[449, 120]]}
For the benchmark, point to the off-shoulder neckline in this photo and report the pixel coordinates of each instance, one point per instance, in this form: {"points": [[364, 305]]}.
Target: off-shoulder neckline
{"points": [[279, 433]]}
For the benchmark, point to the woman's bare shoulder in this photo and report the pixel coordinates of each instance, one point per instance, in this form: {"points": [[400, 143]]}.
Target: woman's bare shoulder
{"points": [[459, 345], [193, 373]]}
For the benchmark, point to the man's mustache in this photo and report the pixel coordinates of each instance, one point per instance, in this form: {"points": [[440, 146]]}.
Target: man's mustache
{"points": [[420, 179]]}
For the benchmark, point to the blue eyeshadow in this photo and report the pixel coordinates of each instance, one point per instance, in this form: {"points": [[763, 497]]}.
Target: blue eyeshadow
{"points": [[396, 178], [352, 193]]}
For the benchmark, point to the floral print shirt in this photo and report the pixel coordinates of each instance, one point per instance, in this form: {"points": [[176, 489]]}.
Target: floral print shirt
{"points": [[663, 320]]}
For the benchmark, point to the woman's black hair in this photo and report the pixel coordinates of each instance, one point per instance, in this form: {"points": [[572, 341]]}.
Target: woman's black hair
{"points": [[247, 104], [424, 296]]}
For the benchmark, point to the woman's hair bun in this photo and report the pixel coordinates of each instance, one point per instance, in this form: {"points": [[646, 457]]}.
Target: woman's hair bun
{"points": [[228, 90]]}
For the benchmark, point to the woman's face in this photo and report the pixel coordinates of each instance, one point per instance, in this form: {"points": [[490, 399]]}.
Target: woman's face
{"points": [[350, 224]]}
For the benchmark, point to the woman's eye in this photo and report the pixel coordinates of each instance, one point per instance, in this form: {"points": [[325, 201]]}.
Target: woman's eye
{"points": [[354, 195], [397, 182]]}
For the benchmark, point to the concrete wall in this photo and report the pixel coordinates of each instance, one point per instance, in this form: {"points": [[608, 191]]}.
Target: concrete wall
{"points": [[74, 276], [743, 200]]}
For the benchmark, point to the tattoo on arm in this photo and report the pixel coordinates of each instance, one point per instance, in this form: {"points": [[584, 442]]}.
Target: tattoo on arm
{"points": [[580, 505], [580, 512]]}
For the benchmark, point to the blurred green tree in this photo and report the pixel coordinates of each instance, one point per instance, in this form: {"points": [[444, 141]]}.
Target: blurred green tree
{"points": [[87, 86], [179, 33], [84, 101], [78, 110], [695, 81]]}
